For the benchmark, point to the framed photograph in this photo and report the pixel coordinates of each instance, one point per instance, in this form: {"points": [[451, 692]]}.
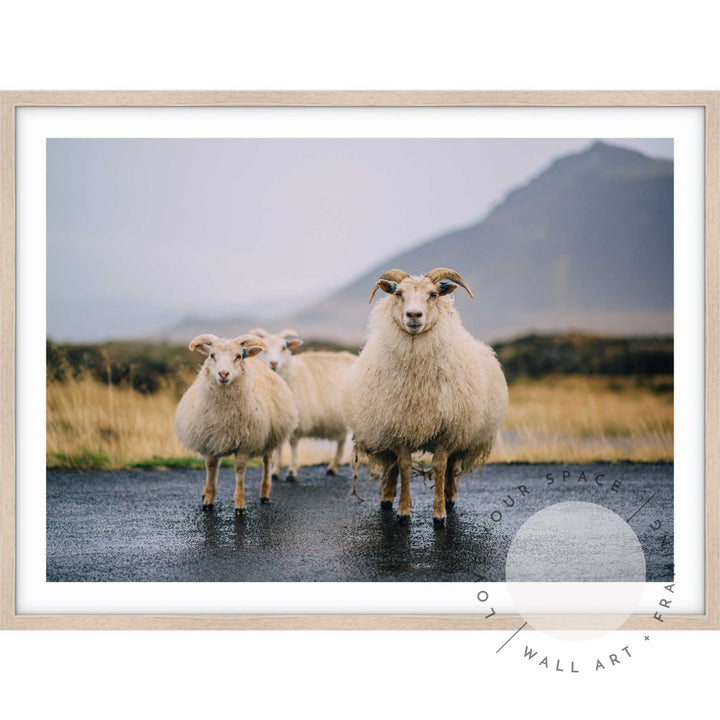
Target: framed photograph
{"points": [[205, 423]]}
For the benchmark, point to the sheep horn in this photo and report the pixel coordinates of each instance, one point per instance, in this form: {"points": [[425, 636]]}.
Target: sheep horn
{"points": [[248, 338], [393, 275], [447, 274], [201, 340]]}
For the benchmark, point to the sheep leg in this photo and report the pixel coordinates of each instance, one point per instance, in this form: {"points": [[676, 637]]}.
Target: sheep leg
{"points": [[266, 484], [355, 465], [335, 464], [439, 467], [293, 469], [277, 463], [212, 464], [451, 482], [389, 485], [240, 465], [404, 460]]}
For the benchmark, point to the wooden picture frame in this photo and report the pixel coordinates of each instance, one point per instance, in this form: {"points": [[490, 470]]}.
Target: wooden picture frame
{"points": [[10, 102]]}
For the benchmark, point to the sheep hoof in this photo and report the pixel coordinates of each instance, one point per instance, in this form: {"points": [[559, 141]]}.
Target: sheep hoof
{"points": [[265, 501], [290, 477], [449, 504], [403, 519], [239, 512], [386, 505], [438, 523], [208, 506], [329, 471]]}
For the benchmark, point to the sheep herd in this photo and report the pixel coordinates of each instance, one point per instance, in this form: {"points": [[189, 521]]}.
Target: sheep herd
{"points": [[421, 383]]}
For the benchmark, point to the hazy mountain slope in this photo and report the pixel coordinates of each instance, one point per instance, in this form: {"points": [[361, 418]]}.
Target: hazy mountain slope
{"points": [[588, 244], [222, 327]]}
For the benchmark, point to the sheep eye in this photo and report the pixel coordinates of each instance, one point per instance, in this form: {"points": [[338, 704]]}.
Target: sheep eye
{"points": [[238, 357], [398, 294], [212, 355], [433, 295]]}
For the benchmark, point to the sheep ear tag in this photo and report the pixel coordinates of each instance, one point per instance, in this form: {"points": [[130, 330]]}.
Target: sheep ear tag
{"points": [[446, 287], [293, 343], [244, 353], [394, 286]]}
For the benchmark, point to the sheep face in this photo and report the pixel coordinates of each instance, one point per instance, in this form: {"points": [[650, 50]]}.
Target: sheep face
{"points": [[279, 349], [415, 301], [225, 357]]}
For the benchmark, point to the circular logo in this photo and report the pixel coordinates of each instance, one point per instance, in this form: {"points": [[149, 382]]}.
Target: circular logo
{"points": [[575, 558]]}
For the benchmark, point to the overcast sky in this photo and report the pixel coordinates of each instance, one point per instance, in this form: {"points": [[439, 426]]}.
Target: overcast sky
{"points": [[142, 233]]}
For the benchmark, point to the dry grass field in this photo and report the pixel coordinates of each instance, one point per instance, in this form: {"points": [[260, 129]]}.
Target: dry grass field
{"points": [[588, 419], [564, 418]]}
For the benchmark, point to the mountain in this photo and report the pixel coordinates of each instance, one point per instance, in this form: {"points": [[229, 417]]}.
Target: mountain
{"points": [[192, 326], [586, 245]]}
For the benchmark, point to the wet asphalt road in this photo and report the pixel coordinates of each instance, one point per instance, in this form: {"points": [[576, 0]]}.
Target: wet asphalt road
{"points": [[148, 525]]}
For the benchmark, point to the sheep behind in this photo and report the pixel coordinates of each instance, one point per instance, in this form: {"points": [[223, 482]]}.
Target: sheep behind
{"points": [[316, 379]]}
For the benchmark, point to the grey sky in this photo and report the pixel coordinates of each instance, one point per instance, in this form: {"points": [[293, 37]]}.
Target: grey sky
{"points": [[141, 233]]}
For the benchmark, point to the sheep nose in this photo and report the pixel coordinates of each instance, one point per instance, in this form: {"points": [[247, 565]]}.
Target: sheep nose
{"points": [[224, 374], [414, 314], [273, 365]]}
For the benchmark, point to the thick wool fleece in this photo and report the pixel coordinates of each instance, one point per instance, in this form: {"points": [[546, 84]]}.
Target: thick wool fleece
{"points": [[316, 380], [439, 389], [254, 414]]}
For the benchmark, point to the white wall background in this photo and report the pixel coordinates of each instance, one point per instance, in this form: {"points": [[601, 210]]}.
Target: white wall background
{"points": [[348, 45]]}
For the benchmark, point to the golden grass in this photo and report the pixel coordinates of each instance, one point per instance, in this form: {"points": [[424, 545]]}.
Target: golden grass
{"points": [[587, 419], [556, 419], [91, 424]]}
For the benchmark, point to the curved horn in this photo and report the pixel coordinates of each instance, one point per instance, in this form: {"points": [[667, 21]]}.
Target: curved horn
{"points": [[260, 332], [250, 339], [201, 343], [447, 274], [392, 275]]}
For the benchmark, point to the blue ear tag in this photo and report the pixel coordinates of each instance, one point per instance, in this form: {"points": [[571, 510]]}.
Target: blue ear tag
{"points": [[287, 343], [445, 286], [244, 353], [394, 286]]}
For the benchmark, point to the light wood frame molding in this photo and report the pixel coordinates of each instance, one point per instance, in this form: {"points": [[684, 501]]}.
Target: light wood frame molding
{"points": [[11, 101]]}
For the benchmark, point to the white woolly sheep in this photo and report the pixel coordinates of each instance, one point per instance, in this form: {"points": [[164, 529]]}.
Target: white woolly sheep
{"points": [[316, 380], [422, 382], [234, 406]]}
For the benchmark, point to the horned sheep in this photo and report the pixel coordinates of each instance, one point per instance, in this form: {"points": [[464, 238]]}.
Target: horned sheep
{"points": [[236, 405], [316, 379], [422, 382]]}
